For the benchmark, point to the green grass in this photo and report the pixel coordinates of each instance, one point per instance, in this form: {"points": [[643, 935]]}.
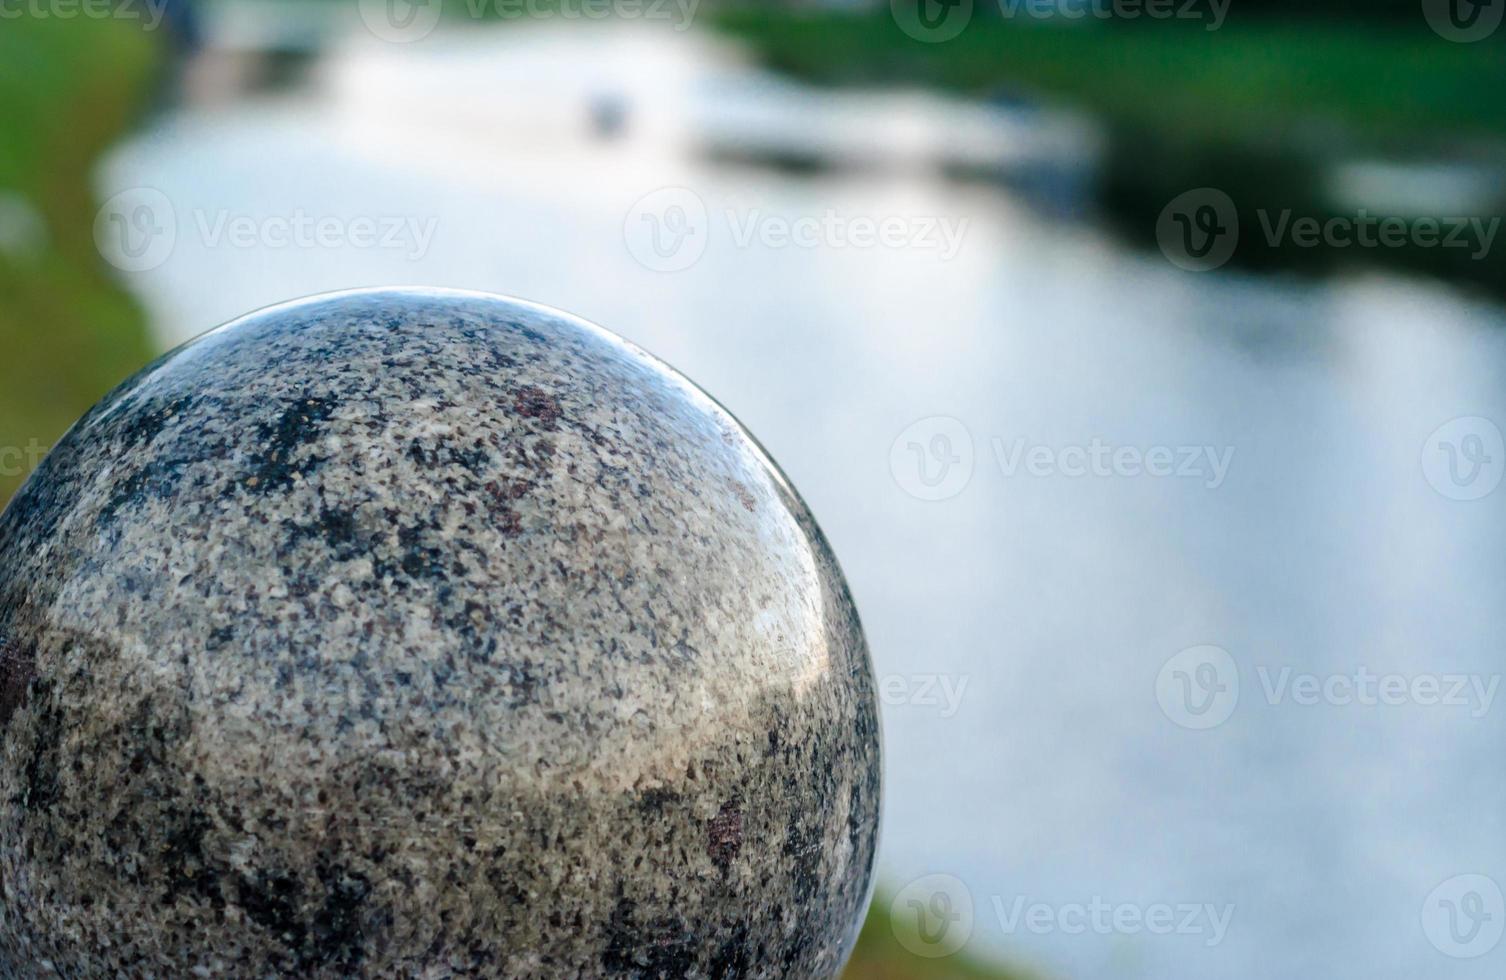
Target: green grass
{"points": [[880, 956], [68, 88], [1382, 80]]}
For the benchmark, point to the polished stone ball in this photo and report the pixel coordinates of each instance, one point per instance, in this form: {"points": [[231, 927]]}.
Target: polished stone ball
{"points": [[425, 634]]}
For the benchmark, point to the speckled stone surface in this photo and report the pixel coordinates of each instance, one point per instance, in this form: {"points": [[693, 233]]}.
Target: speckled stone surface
{"points": [[422, 634]]}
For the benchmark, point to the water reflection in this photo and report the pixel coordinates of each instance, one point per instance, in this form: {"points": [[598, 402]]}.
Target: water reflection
{"points": [[1057, 778]]}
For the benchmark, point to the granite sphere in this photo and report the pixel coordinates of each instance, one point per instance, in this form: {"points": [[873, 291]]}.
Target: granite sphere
{"points": [[411, 633]]}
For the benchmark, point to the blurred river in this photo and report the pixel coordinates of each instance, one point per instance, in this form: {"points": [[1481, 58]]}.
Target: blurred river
{"points": [[1021, 624]]}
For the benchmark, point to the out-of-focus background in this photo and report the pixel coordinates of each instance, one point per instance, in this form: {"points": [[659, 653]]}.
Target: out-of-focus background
{"points": [[1143, 360]]}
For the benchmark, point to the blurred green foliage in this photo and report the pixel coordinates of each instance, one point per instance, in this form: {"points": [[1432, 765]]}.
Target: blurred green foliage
{"points": [[879, 956], [1262, 108], [1379, 78], [68, 89]]}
